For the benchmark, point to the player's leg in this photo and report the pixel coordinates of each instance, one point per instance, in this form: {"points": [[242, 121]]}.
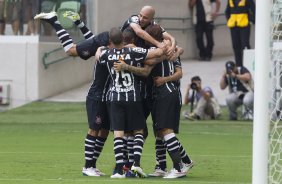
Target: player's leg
{"points": [[62, 34], [99, 144], [118, 125], [104, 127], [129, 145], [136, 123], [160, 147], [89, 144], [160, 168], [92, 108], [172, 146], [79, 23], [118, 146], [167, 125], [188, 163], [138, 149]]}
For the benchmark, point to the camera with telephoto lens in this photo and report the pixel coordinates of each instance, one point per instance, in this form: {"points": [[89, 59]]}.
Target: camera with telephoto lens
{"points": [[193, 86], [229, 66]]}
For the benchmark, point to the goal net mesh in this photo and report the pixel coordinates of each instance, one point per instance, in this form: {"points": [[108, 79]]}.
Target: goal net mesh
{"points": [[275, 150]]}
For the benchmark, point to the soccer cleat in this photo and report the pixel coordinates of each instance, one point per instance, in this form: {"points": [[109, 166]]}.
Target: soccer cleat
{"points": [[46, 16], [175, 174], [89, 171], [99, 172], [158, 173], [139, 171], [117, 175], [187, 167], [71, 15]]}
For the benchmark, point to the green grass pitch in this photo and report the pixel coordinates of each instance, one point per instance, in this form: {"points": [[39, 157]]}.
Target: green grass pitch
{"points": [[42, 143]]}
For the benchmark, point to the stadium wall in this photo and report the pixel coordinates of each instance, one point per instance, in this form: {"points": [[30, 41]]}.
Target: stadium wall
{"points": [[22, 69]]}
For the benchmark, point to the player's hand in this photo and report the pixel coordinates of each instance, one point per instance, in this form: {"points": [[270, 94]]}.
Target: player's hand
{"points": [[120, 66], [172, 57], [158, 81], [162, 46], [170, 51]]}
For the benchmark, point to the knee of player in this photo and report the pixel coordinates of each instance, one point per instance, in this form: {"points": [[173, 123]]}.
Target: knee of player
{"points": [[71, 51], [103, 133], [93, 132]]}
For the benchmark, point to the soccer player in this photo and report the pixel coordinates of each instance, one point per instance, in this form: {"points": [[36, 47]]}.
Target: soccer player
{"points": [[139, 23], [126, 108], [95, 101], [166, 99], [84, 49]]}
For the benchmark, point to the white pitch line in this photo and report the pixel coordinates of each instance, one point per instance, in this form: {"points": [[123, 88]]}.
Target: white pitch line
{"points": [[113, 180]]}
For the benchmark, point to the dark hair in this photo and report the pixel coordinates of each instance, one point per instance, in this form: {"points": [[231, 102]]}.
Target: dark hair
{"points": [[128, 36], [155, 31], [196, 78], [229, 66], [116, 36]]}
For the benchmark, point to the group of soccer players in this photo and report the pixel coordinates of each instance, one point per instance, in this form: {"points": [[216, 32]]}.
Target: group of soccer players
{"points": [[137, 72]]}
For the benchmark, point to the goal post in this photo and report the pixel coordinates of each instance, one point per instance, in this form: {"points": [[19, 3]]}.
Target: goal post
{"points": [[262, 93]]}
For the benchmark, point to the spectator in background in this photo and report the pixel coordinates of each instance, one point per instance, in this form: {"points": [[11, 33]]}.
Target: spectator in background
{"points": [[203, 17], [239, 81], [2, 17], [207, 105], [46, 7], [14, 14], [30, 8], [239, 14]]}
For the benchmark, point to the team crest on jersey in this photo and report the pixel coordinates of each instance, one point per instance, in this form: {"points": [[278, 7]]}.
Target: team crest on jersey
{"points": [[98, 120], [85, 53]]}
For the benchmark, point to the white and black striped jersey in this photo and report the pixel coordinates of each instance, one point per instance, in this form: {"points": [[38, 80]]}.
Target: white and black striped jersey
{"points": [[135, 19], [124, 85], [99, 86], [177, 64], [164, 69]]}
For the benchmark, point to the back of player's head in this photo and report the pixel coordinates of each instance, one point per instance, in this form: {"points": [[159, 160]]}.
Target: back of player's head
{"points": [[196, 78], [129, 36], [116, 36], [155, 31]]}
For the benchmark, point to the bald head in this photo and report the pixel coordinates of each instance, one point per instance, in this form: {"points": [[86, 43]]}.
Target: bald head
{"points": [[146, 15], [149, 11]]}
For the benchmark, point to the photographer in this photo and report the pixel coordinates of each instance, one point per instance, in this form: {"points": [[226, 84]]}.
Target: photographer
{"points": [[239, 81], [206, 104]]}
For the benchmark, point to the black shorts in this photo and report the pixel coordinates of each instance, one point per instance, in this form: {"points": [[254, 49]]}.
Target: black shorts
{"points": [[147, 104], [87, 48], [127, 116], [97, 114], [166, 113]]}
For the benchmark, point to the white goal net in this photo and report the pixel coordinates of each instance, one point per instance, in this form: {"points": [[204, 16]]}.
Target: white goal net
{"points": [[275, 149]]}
